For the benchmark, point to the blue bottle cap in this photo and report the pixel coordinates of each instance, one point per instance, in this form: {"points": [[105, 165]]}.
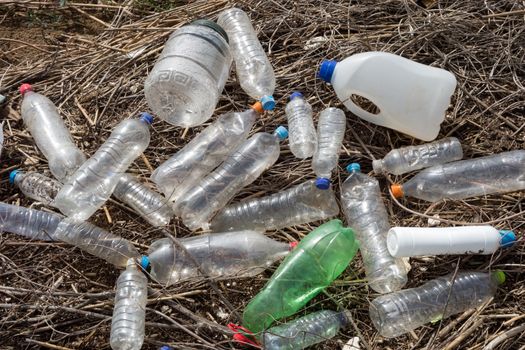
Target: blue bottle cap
{"points": [[322, 183], [508, 238], [326, 70], [353, 168], [281, 132], [166, 347], [268, 102], [12, 176], [144, 262], [296, 94], [146, 117]]}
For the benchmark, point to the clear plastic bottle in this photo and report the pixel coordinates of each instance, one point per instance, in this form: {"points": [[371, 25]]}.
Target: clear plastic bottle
{"points": [[94, 182], [298, 205], [498, 173], [201, 155], [50, 133], [129, 313], [305, 331], [35, 186], [240, 169], [406, 159], [365, 212], [254, 70], [187, 80], [403, 311], [220, 255], [303, 136], [330, 134], [30, 223]]}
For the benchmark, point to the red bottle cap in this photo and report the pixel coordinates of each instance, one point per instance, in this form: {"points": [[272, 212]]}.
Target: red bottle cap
{"points": [[25, 88]]}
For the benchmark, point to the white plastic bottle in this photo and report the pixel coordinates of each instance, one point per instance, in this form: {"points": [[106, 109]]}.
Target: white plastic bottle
{"points": [[498, 173], [187, 80], [420, 241], [220, 255], [30, 223], [254, 70], [330, 134], [240, 169], [50, 133], [303, 136], [94, 182], [35, 186], [298, 205], [406, 159], [129, 313], [412, 98], [365, 212]]}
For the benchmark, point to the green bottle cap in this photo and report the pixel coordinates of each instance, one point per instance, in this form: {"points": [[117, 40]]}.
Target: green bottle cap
{"points": [[499, 276]]}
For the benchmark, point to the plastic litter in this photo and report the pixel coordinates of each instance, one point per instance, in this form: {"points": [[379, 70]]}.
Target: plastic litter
{"points": [[303, 136], [36, 186], [30, 223]]}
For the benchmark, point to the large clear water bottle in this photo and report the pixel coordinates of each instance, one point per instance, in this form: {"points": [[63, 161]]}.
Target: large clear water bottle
{"points": [[52, 137], [200, 156], [240, 169], [498, 173], [30, 223], [298, 205], [303, 136], [365, 212], [254, 70], [403, 311], [94, 182], [129, 313], [187, 80], [36, 186], [330, 134], [406, 159], [220, 255]]}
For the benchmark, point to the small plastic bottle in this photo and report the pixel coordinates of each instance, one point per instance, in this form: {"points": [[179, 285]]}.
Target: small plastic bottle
{"points": [[303, 136], [330, 135], [35, 186], [50, 133], [315, 263], [187, 80], [200, 156], [30, 223], [403, 311], [365, 212], [298, 205], [220, 255], [240, 169], [406, 159], [305, 331], [498, 173], [254, 70], [93, 183], [129, 313]]}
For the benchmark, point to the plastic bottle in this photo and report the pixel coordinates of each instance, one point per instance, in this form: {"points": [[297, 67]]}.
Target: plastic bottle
{"points": [[406, 159], [305, 331], [35, 186], [220, 255], [200, 156], [303, 136], [94, 182], [411, 97], [52, 137], [298, 205], [498, 173], [30, 223], [187, 80], [420, 241], [330, 135], [315, 263], [240, 169], [129, 313], [254, 70], [400, 312], [1, 133]]}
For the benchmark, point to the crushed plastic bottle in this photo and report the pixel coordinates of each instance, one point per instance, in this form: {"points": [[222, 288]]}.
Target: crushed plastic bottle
{"points": [[254, 70], [406, 159], [315, 263], [30, 223], [240, 169], [220, 255], [200, 156], [300, 204], [52, 137], [403, 311], [330, 135], [303, 136], [365, 212], [187, 80], [1, 136], [36, 186], [129, 313], [94, 182], [305, 331], [498, 173]]}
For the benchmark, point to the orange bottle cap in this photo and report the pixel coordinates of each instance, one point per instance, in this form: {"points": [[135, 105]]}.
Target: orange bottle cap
{"points": [[258, 107], [397, 190]]}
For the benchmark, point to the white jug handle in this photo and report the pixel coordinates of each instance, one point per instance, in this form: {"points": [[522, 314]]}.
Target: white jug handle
{"points": [[361, 113]]}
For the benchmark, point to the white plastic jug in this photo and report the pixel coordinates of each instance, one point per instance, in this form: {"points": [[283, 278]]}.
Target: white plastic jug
{"points": [[412, 98]]}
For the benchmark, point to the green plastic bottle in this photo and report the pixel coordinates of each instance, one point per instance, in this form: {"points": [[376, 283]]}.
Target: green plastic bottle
{"points": [[315, 263]]}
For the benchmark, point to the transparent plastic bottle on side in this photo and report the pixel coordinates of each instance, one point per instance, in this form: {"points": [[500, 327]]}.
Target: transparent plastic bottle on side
{"points": [[30, 223], [36, 186], [302, 133]]}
